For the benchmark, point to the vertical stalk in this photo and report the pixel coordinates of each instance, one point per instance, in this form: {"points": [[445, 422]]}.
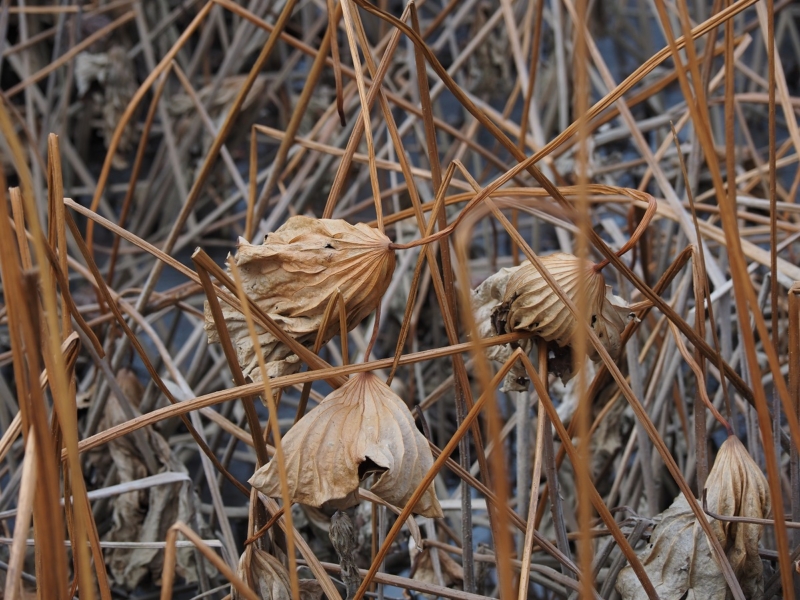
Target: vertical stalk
{"points": [[556, 509], [794, 392]]}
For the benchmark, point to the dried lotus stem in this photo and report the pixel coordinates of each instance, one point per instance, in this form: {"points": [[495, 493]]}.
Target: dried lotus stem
{"points": [[652, 207], [334, 301], [701, 384], [345, 541], [279, 457]]}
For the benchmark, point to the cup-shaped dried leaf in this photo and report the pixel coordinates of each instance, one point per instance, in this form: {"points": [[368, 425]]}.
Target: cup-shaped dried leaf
{"points": [[679, 559], [292, 277], [528, 303], [362, 427], [531, 305]]}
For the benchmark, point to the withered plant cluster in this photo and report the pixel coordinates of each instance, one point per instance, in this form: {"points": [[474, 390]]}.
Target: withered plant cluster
{"points": [[448, 298]]}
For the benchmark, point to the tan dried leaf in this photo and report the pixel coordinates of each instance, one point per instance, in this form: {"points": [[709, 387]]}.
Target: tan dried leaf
{"points": [[679, 560], [360, 428], [293, 275], [737, 487], [529, 304], [269, 579]]}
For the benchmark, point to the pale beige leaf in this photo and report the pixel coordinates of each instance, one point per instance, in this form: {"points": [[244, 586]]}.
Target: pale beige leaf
{"points": [[679, 560], [360, 428], [737, 487], [292, 277]]}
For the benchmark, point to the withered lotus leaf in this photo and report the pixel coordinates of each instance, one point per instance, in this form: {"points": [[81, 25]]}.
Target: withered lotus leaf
{"points": [[532, 305], [529, 304], [292, 277], [737, 487], [360, 428], [520, 299], [679, 559]]}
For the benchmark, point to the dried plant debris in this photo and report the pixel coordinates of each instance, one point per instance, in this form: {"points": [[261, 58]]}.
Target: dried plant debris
{"points": [[218, 98], [679, 560], [115, 76], [294, 274], [145, 515], [486, 298], [345, 541], [269, 579], [527, 303], [361, 428], [422, 568]]}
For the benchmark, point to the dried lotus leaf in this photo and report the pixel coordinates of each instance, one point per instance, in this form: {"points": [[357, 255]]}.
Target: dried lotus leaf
{"points": [[533, 306], [737, 487], [529, 304], [361, 427], [292, 277], [679, 559]]}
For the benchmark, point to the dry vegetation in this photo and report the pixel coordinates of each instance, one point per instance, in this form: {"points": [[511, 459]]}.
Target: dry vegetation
{"points": [[526, 322]]}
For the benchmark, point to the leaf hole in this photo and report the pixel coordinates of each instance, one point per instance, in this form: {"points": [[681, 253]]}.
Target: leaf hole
{"points": [[368, 467]]}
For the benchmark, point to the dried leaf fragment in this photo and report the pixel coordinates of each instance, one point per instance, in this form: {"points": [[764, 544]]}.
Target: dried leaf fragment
{"points": [[360, 428], [422, 567], [679, 559], [267, 576], [292, 277], [115, 74], [485, 300], [146, 515]]}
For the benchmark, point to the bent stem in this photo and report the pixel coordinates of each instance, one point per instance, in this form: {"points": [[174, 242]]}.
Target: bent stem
{"points": [[649, 213]]}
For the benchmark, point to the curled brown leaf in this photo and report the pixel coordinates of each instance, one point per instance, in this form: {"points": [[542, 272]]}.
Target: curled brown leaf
{"points": [[520, 299]]}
